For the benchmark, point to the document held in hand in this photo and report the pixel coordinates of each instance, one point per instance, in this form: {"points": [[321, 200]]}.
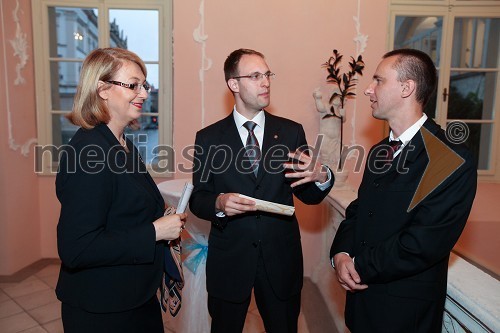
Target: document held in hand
{"points": [[183, 201], [271, 207]]}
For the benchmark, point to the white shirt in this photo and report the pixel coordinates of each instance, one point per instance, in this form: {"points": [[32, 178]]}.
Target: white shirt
{"points": [[407, 135], [259, 119]]}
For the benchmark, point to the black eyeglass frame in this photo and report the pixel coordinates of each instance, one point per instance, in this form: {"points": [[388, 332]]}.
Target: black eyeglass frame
{"points": [[132, 86]]}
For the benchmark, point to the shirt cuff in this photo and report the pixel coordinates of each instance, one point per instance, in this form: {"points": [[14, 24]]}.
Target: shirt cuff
{"points": [[219, 213], [333, 263], [326, 184]]}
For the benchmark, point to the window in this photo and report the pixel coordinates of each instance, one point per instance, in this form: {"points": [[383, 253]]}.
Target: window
{"points": [[461, 36], [65, 31]]}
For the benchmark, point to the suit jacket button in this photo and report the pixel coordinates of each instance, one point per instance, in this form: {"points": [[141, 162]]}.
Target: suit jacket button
{"points": [[363, 243], [257, 187], [254, 244]]}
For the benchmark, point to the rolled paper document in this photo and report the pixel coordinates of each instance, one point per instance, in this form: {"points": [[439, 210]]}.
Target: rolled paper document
{"points": [[183, 201], [271, 207]]}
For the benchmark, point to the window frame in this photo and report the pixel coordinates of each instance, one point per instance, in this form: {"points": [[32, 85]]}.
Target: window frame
{"points": [[426, 3], [449, 10], [42, 61]]}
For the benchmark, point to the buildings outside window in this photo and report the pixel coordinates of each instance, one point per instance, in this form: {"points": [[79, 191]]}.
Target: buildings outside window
{"points": [[68, 31]]}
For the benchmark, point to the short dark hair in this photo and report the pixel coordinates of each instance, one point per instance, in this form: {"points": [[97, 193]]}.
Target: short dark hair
{"points": [[232, 61], [416, 65]]}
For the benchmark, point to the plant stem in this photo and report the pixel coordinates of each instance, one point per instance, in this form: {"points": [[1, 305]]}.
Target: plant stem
{"points": [[341, 141]]}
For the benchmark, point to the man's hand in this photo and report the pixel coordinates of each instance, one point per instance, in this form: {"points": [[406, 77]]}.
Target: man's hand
{"points": [[346, 273], [232, 204], [308, 169]]}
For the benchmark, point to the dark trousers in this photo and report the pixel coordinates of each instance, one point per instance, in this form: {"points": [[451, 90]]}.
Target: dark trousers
{"points": [[279, 316], [374, 312], [146, 318]]}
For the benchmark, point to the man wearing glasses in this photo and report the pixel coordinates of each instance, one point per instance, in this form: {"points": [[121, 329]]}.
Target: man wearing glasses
{"points": [[254, 153]]}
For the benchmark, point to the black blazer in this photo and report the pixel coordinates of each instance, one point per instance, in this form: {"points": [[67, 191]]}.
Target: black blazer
{"points": [[219, 167], [402, 253], [105, 235]]}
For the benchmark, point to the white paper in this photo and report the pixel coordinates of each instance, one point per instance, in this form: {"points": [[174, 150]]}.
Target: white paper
{"points": [[184, 199], [271, 207]]}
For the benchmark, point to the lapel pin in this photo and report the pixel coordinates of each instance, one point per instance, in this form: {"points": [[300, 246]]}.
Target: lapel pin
{"points": [[275, 136]]}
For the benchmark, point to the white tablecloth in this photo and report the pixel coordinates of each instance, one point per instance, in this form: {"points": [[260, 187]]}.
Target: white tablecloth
{"points": [[193, 316]]}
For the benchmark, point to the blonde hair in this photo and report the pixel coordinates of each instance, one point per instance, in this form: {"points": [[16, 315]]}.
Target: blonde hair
{"points": [[89, 109]]}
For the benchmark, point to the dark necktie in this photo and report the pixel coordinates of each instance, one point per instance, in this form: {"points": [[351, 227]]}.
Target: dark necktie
{"points": [[393, 148], [252, 147]]}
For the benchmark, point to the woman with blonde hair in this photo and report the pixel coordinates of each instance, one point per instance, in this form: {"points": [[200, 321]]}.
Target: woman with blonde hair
{"points": [[112, 231]]}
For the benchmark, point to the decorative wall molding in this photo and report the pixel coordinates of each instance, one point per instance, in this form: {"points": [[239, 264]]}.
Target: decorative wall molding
{"points": [[20, 46], [206, 63], [360, 39]]}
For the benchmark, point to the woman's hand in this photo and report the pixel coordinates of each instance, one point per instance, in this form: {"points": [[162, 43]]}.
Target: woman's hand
{"points": [[169, 227]]}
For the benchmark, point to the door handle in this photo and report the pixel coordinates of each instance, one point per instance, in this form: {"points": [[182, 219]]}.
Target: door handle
{"points": [[445, 94]]}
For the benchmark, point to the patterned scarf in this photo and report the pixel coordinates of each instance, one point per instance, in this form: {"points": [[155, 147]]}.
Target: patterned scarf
{"points": [[173, 280]]}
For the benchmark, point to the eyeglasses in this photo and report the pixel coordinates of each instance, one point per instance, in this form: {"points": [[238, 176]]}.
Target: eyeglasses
{"points": [[135, 87], [257, 76]]}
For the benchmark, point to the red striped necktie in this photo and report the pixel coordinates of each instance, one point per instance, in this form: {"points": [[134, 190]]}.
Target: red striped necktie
{"points": [[394, 146]]}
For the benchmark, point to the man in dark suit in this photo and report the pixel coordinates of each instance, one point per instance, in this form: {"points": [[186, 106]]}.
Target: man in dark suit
{"points": [[250, 248], [391, 253]]}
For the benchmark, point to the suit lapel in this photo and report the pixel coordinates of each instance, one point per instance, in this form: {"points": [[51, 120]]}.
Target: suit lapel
{"points": [[418, 142], [145, 180], [230, 135], [230, 138], [271, 139], [141, 179], [412, 150]]}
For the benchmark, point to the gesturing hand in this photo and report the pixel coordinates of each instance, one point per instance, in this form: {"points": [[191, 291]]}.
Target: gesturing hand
{"points": [[308, 169]]}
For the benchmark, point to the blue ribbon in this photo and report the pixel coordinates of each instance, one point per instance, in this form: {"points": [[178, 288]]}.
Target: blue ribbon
{"points": [[194, 259]]}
